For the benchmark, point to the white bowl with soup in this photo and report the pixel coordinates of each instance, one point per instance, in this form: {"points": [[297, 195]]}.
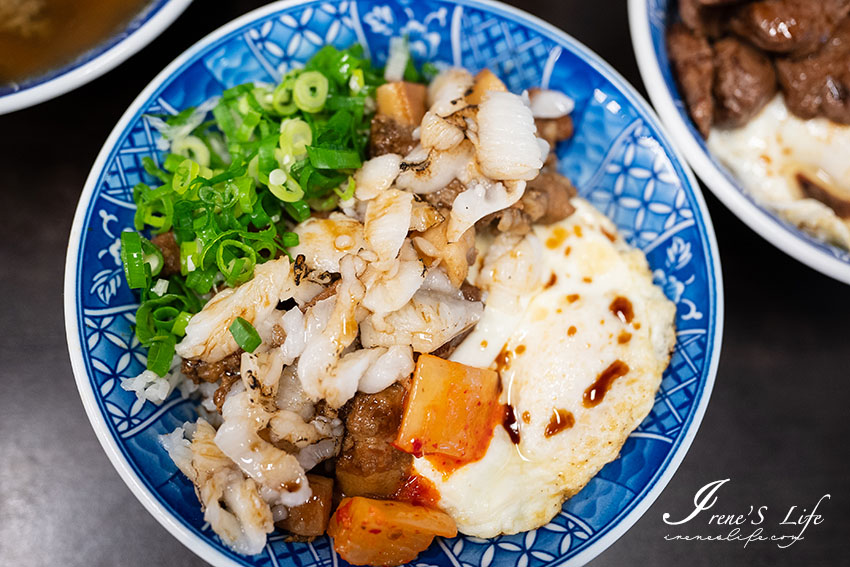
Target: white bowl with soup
{"points": [[50, 47], [781, 166]]}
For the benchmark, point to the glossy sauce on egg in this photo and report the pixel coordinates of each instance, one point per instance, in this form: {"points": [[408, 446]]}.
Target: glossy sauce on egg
{"points": [[592, 307]]}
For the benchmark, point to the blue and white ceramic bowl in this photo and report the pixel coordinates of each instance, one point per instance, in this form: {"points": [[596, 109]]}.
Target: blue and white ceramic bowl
{"points": [[619, 159], [648, 22], [141, 30]]}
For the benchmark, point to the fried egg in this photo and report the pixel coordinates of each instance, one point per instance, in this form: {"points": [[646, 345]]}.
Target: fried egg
{"points": [[768, 152], [580, 364]]}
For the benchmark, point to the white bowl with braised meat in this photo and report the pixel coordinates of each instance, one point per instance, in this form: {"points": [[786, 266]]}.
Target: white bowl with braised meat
{"points": [[757, 95]]}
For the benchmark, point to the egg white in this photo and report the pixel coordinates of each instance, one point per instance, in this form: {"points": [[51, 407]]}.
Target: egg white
{"points": [[767, 153], [559, 345]]}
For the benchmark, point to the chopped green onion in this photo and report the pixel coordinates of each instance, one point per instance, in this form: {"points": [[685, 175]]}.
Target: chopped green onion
{"points": [[151, 168], [267, 161], [429, 71], [250, 120], [145, 321], [221, 197], [282, 102], [324, 204], [299, 210], [191, 302], [411, 74], [235, 269], [186, 172], [163, 318], [161, 353], [152, 256], [264, 97], [224, 118], [259, 215], [245, 193], [310, 91], [245, 335], [192, 147], [225, 185], [180, 322], [133, 260], [189, 256], [357, 81], [337, 130], [157, 212], [295, 136], [253, 170], [284, 187], [182, 220], [172, 162], [348, 193], [201, 280], [265, 249], [180, 118], [327, 158]]}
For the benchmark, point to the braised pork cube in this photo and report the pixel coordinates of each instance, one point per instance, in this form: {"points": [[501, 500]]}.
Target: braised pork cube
{"points": [[369, 465], [708, 18], [693, 64], [795, 27], [819, 85], [744, 81]]}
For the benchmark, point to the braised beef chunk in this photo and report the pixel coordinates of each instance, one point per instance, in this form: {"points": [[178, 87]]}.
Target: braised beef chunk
{"points": [[390, 137], [707, 19], [693, 64], [797, 27], [368, 464], [554, 130], [744, 81], [691, 13], [310, 519], [170, 253], [802, 44], [819, 85], [199, 371]]}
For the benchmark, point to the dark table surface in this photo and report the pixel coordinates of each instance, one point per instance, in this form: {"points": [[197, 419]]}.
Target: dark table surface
{"points": [[776, 425]]}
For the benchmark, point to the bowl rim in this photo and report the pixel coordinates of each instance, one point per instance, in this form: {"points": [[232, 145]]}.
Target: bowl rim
{"points": [[765, 224], [90, 66], [204, 549]]}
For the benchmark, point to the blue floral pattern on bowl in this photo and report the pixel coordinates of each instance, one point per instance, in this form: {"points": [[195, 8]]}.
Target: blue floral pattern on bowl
{"points": [[660, 14], [617, 159]]}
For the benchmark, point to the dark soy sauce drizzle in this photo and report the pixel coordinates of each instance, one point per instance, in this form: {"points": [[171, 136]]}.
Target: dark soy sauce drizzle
{"points": [[622, 308], [561, 419], [510, 424], [594, 395]]}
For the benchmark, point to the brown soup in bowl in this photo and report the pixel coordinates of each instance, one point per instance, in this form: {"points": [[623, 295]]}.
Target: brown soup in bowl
{"points": [[39, 35]]}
